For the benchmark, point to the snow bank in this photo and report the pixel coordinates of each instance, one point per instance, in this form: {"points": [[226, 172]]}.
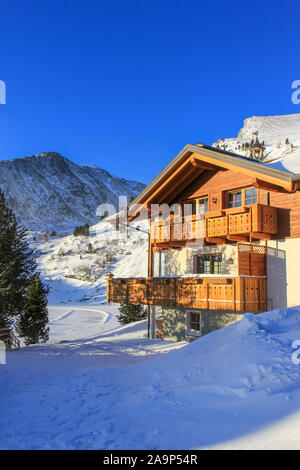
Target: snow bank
{"points": [[234, 388]]}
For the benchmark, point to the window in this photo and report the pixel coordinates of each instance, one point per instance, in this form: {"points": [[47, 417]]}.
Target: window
{"points": [[194, 323], [209, 264], [242, 197], [158, 264], [203, 205], [234, 198], [250, 196], [196, 206]]}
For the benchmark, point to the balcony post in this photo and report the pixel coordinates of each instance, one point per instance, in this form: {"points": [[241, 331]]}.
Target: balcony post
{"points": [[109, 277]]}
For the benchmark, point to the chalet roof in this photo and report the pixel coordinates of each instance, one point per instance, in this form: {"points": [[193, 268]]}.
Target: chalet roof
{"points": [[271, 173]]}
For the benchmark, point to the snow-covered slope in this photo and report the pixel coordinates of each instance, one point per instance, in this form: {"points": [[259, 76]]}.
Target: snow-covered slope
{"points": [[75, 267], [235, 388], [273, 131], [48, 191]]}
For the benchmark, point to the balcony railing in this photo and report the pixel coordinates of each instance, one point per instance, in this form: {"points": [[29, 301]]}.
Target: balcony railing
{"points": [[257, 219], [240, 293]]}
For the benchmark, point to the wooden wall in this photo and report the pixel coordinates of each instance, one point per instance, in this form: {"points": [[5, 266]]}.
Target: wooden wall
{"points": [[215, 185]]}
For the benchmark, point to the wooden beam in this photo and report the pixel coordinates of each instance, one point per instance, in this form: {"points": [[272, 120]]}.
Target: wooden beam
{"points": [[170, 192], [171, 177], [264, 236], [216, 240], [205, 166], [260, 184], [238, 238], [168, 245]]}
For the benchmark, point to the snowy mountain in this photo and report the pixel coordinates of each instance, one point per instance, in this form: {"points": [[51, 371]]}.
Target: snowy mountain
{"points": [[279, 134], [48, 191]]}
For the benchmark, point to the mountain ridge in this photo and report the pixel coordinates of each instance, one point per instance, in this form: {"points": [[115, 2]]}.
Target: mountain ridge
{"points": [[49, 191]]}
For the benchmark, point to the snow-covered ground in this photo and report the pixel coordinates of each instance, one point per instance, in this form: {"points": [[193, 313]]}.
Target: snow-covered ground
{"points": [[75, 268], [235, 388]]}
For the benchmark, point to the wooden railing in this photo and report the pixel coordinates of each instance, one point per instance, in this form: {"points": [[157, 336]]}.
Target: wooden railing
{"points": [[216, 293], [256, 219]]}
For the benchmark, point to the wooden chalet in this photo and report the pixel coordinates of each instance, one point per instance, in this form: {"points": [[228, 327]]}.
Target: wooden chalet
{"points": [[224, 240]]}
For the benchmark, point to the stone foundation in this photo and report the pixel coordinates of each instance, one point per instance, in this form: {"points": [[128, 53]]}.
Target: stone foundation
{"points": [[175, 325]]}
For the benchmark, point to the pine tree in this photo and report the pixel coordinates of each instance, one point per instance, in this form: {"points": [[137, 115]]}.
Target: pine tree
{"points": [[5, 320], [131, 313], [32, 324], [17, 271], [85, 230], [90, 248], [17, 263]]}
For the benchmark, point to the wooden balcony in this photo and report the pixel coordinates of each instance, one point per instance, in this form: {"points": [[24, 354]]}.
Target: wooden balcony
{"points": [[257, 220], [240, 293]]}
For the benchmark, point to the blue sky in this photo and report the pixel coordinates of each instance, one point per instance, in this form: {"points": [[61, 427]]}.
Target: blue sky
{"points": [[126, 84]]}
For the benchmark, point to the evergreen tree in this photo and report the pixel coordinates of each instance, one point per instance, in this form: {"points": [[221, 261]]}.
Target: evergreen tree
{"points": [[86, 230], [5, 320], [17, 263], [90, 248], [32, 323], [17, 268], [83, 230], [131, 313]]}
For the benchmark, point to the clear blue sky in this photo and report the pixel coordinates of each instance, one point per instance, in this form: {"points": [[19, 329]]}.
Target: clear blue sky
{"points": [[126, 84]]}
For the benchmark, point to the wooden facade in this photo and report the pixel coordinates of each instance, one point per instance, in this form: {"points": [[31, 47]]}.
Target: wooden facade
{"points": [[256, 221]]}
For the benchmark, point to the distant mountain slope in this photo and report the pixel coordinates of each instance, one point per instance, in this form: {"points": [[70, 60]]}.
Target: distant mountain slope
{"points": [[274, 132], [49, 191]]}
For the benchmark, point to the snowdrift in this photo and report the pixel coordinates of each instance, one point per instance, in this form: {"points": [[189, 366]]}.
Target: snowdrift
{"points": [[238, 384]]}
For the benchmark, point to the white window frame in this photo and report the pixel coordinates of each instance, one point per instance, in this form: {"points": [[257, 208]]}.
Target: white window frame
{"points": [[190, 331]]}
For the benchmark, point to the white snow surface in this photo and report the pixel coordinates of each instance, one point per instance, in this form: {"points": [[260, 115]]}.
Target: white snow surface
{"points": [[75, 268], [235, 388], [273, 131]]}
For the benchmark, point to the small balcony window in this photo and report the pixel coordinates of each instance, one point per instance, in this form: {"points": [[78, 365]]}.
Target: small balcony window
{"points": [[196, 206], [209, 264], [242, 197], [250, 196], [234, 198]]}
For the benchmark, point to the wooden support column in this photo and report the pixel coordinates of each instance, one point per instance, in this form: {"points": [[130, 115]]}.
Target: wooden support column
{"points": [[109, 278]]}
